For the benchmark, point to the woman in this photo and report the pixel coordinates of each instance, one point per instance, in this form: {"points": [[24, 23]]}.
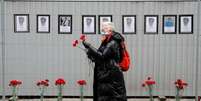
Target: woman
{"points": [[108, 78]]}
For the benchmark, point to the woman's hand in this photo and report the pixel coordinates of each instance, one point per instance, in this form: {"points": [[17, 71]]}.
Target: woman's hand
{"points": [[86, 44]]}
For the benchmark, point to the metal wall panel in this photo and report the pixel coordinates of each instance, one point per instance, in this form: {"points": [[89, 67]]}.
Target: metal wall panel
{"points": [[33, 56], [0, 56], [199, 67]]}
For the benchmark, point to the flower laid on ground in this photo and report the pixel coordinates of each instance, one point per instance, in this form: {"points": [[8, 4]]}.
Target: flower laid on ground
{"points": [[180, 85], [149, 83], [15, 85], [60, 84], [81, 83], [43, 84]]}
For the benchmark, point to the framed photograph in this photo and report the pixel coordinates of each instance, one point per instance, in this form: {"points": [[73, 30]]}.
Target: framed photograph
{"points": [[65, 24], [43, 23], [169, 24], [21, 23], [103, 18], [129, 24], [151, 24], [89, 24], [185, 24]]}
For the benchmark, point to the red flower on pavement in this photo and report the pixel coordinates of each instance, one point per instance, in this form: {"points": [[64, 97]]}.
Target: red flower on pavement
{"points": [[15, 83], [82, 37], [43, 83], [81, 82], [75, 42], [60, 81], [148, 82], [180, 84]]}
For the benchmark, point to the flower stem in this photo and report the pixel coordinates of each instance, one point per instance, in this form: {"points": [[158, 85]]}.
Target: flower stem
{"points": [[177, 95], [81, 93], [60, 93], [42, 94], [14, 97], [151, 92]]}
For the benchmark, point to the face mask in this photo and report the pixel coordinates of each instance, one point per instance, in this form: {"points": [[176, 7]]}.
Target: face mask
{"points": [[103, 33], [107, 33]]}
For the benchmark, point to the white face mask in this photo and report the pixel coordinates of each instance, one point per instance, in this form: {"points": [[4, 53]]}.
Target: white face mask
{"points": [[104, 33]]}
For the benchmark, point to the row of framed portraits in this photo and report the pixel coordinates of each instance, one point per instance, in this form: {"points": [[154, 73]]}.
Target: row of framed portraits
{"points": [[151, 22]]}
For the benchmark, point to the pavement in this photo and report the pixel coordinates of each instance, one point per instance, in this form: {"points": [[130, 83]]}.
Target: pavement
{"points": [[92, 100]]}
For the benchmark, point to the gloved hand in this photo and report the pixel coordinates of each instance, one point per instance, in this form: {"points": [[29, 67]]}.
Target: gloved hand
{"points": [[86, 44]]}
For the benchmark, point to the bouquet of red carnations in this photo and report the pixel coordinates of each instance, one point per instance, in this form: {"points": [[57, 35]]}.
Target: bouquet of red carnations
{"points": [[15, 85], [180, 85], [81, 84], [149, 83], [77, 42], [60, 84], [42, 85]]}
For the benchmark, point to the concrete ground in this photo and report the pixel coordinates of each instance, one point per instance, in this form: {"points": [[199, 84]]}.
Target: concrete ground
{"points": [[92, 100]]}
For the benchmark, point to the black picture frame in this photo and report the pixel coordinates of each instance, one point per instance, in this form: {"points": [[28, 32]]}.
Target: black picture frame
{"points": [[99, 21], [46, 28], [169, 25], [184, 26], [64, 25], [155, 17], [24, 18], [133, 24], [92, 24]]}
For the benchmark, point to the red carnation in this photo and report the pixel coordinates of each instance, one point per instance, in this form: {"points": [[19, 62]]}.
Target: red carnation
{"points": [[60, 81], [149, 78], [148, 82], [180, 84], [47, 80], [43, 83], [83, 37], [75, 42], [15, 83], [143, 85], [81, 82]]}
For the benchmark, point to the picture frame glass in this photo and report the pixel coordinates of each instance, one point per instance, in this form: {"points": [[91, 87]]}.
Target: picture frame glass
{"points": [[21, 23], [89, 24], [65, 24], [151, 24], [169, 23], [186, 24], [43, 23], [129, 24]]}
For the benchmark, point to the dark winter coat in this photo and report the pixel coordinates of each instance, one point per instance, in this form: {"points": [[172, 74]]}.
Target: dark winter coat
{"points": [[108, 78]]}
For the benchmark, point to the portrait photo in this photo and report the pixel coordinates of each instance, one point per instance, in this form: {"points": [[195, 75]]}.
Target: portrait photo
{"points": [[65, 24], [151, 24], [103, 18], [129, 24], [169, 24], [43, 23], [21, 23], [89, 24], [185, 24]]}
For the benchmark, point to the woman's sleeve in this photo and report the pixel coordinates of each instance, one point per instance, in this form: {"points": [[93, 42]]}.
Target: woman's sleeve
{"points": [[107, 53]]}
